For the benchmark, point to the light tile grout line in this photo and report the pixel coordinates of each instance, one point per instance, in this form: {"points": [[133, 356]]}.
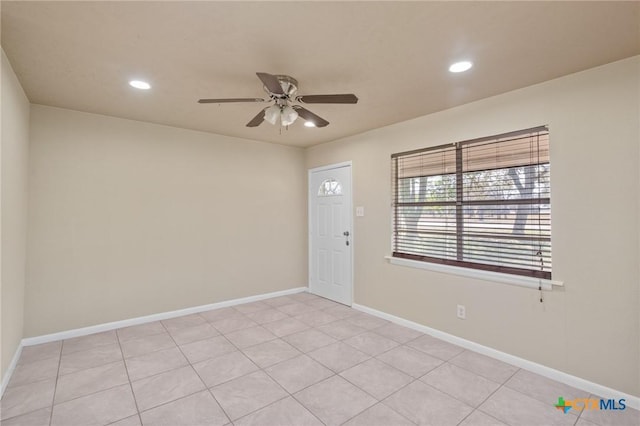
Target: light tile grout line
{"points": [[27, 412], [207, 359], [126, 369], [209, 389], [578, 418], [414, 379], [484, 400], [55, 387], [197, 374], [582, 411], [477, 374], [482, 412], [139, 337], [303, 353], [29, 383], [426, 373], [117, 337], [68, 400], [502, 385], [93, 393], [101, 365], [188, 363], [339, 374], [94, 346], [492, 393], [516, 391], [379, 401], [272, 378], [293, 395], [506, 384], [257, 366], [243, 375]]}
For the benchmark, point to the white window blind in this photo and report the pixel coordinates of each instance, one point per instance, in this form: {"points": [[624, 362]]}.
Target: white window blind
{"points": [[482, 204]]}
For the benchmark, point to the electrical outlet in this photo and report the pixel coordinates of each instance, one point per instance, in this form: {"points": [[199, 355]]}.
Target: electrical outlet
{"points": [[461, 312]]}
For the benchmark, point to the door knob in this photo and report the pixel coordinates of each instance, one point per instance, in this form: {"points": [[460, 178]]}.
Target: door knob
{"points": [[345, 233]]}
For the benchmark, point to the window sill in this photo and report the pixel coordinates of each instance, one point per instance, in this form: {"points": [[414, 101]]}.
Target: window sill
{"points": [[496, 277]]}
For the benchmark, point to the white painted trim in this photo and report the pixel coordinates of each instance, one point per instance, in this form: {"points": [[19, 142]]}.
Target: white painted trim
{"points": [[331, 167], [11, 369], [491, 276], [553, 374], [30, 341], [154, 317]]}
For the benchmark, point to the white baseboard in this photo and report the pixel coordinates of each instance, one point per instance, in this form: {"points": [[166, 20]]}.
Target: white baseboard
{"points": [[577, 382], [12, 367], [568, 379], [29, 341]]}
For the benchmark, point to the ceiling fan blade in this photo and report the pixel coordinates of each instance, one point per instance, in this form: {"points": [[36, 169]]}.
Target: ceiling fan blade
{"points": [[271, 82], [257, 120], [309, 116], [229, 100], [347, 98]]}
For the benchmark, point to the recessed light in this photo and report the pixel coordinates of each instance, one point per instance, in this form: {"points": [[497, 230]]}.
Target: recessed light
{"points": [[309, 124], [460, 66], [139, 84]]}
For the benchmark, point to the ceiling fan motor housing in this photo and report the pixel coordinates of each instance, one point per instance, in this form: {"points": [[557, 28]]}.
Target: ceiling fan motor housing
{"points": [[289, 87]]}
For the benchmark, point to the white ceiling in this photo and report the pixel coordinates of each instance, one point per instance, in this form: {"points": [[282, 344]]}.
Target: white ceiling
{"points": [[393, 55]]}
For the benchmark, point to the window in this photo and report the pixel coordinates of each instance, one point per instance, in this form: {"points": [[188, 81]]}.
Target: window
{"points": [[330, 187], [482, 204]]}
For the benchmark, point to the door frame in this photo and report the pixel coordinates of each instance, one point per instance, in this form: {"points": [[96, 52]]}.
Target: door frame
{"points": [[349, 165]]}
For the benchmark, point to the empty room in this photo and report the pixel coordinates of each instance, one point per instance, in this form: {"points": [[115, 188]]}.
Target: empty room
{"points": [[320, 213]]}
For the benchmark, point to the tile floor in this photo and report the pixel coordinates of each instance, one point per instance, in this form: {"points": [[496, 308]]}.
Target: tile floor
{"points": [[292, 360]]}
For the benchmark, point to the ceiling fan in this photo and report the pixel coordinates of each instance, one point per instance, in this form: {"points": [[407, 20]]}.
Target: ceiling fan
{"points": [[282, 91]]}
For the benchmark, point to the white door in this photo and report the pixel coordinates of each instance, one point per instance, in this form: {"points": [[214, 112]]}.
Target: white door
{"points": [[330, 233]]}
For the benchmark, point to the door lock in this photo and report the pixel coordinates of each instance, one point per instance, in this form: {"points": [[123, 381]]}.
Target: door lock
{"points": [[346, 234]]}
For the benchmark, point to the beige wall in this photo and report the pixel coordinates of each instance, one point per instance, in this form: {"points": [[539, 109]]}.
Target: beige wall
{"points": [[590, 327], [14, 165], [129, 219]]}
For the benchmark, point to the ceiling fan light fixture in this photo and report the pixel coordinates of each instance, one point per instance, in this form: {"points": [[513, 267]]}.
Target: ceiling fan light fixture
{"points": [[461, 66], [272, 114], [288, 115]]}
